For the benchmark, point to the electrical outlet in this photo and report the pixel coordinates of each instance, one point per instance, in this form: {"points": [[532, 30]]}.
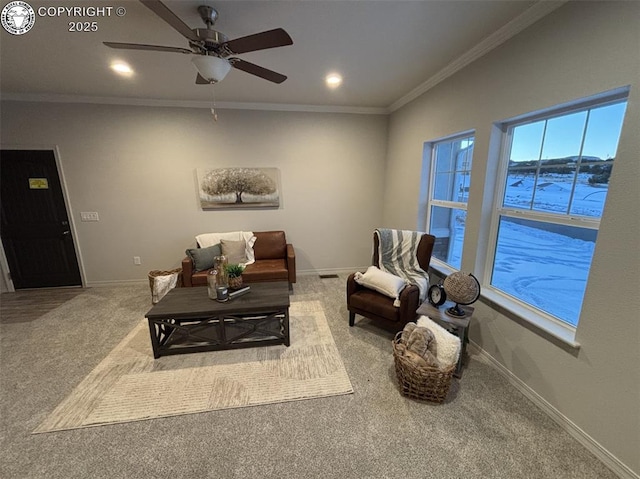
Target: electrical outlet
{"points": [[137, 260], [89, 216]]}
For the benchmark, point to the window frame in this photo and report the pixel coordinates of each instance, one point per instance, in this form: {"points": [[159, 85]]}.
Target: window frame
{"points": [[549, 323], [452, 205]]}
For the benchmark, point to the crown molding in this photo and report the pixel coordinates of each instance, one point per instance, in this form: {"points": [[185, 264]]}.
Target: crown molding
{"points": [[497, 38], [49, 98]]}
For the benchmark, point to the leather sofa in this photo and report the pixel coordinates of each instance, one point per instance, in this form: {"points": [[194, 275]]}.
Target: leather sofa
{"points": [[275, 260]]}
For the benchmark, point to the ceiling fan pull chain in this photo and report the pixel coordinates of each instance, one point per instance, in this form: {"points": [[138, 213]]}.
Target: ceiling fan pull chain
{"points": [[213, 108]]}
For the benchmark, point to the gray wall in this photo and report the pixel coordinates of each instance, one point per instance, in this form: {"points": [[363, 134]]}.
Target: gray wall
{"points": [[136, 166], [581, 49]]}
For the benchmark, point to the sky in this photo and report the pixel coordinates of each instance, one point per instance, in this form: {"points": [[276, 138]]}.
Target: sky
{"points": [[563, 135]]}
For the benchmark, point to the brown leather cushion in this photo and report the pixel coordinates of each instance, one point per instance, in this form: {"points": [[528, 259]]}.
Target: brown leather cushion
{"points": [[266, 270], [374, 302], [270, 245], [263, 270]]}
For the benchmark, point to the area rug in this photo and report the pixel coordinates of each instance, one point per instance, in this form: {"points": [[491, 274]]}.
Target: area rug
{"points": [[129, 385]]}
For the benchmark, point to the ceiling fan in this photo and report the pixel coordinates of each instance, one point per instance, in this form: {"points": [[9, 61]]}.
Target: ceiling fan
{"points": [[213, 49]]}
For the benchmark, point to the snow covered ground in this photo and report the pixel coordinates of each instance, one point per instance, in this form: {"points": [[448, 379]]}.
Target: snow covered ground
{"points": [[545, 269], [544, 266], [548, 267]]}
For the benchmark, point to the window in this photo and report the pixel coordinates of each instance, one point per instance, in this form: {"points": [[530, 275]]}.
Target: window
{"points": [[450, 169], [551, 193]]}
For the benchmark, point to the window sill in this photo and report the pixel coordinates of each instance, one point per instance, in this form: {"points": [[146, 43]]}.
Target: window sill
{"points": [[440, 268], [537, 322]]}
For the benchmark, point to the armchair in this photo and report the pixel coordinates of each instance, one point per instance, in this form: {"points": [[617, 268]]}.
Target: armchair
{"points": [[371, 304]]}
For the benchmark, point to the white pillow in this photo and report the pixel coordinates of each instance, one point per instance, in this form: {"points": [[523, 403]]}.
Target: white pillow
{"points": [[448, 344], [383, 282]]}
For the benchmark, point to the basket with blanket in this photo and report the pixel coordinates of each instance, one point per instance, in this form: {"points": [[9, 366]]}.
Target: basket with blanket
{"points": [[162, 281], [425, 356]]}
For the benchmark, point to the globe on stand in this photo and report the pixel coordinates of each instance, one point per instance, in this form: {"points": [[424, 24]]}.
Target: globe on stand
{"points": [[463, 289]]}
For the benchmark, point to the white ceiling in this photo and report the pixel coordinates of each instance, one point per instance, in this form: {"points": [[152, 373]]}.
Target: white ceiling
{"points": [[385, 50]]}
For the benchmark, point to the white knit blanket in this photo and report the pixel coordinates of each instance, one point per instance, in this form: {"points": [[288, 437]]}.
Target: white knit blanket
{"points": [[397, 254], [162, 285]]}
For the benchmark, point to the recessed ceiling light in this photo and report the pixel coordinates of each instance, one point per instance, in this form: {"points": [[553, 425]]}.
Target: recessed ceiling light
{"points": [[333, 80], [122, 68]]}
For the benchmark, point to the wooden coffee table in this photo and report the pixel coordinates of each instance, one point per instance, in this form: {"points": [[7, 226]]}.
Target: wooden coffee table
{"points": [[187, 321]]}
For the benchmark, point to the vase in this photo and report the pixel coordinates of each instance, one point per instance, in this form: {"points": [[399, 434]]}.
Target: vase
{"points": [[236, 282], [212, 277], [220, 265]]}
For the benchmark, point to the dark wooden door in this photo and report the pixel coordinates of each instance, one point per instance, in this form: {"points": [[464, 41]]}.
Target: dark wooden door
{"points": [[35, 227]]}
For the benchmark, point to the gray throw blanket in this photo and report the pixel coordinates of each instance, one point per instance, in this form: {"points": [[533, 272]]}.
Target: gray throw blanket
{"points": [[397, 255]]}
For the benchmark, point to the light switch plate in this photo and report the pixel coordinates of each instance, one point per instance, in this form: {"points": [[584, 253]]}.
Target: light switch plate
{"points": [[89, 216]]}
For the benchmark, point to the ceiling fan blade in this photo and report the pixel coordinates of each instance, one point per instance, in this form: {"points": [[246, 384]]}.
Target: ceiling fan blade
{"points": [[257, 41], [256, 70], [138, 46], [160, 9], [200, 80]]}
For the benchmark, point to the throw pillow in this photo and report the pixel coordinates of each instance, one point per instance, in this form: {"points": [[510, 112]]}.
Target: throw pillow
{"points": [[381, 281], [235, 251], [202, 258], [209, 239]]}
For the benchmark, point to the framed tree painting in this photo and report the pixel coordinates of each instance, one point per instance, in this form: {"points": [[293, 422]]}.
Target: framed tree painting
{"points": [[238, 188]]}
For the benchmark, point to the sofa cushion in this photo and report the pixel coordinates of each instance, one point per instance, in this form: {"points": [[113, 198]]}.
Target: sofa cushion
{"points": [[270, 245], [202, 258], [266, 270], [235, 251], [372, 302]]}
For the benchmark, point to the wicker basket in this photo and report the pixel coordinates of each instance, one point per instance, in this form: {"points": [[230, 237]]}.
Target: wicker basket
{"points": [[154, 274], [417, 382]]}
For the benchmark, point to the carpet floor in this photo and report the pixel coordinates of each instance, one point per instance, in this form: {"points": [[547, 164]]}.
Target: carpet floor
{"points": [[485, 429]]}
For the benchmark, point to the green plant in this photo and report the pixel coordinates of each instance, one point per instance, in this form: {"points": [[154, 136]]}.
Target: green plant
{"points": [[234, 270]]}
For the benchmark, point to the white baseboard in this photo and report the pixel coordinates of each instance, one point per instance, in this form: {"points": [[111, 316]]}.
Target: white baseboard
{"points": [[304, 272], [563, 421], [316, 272]]}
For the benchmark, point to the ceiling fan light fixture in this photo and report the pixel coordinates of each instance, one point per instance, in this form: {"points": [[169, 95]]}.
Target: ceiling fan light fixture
{"points": [[213, 69]]}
